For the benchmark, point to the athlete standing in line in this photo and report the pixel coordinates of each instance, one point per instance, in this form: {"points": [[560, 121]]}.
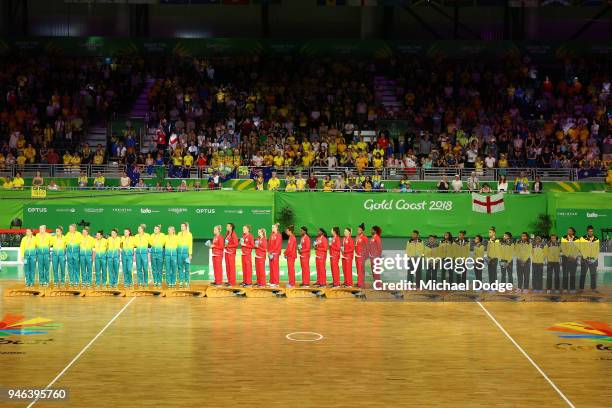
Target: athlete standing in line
{"points": [[157, 241], [291, 255], [217, 255], [184, 255], [361, 253], [348, 247], [100, 259], [73, 242], [43, 248], [27, 250], [321, 245], [261, 252], [335, 251], [113, 247], [231, 243], [304, 248], [375, 249], [141, 241], [170, 256], [86, 257], [247, 243], [58, 258], [274, 250], [127, 257]]}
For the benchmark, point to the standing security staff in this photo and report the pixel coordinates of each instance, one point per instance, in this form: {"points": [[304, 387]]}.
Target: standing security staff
{"points": [[571, 253], [461, 250], [415, 249], [589, 250], [493, 253], [553, 255]]}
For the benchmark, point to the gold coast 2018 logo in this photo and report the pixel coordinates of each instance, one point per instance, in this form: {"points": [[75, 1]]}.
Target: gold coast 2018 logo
{"points": [[599, 335], [16, 330]]}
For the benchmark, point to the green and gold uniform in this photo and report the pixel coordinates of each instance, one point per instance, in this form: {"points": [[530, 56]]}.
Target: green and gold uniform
{"points": [[100, 249], [127, 259], [570, 251], [86, 257], [170, 255], [73, 247], [141, 243], [415, 248], [43, 256], [589, 250], [113, 247], [552, 252], [27, 250], [522, 251], [538, 255], [493, 254], [58, 259], [184, 251], [157, 242], [506, 255]]}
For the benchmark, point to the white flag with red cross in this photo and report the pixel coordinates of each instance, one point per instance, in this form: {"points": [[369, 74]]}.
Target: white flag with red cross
{"points": [[488, 204]]}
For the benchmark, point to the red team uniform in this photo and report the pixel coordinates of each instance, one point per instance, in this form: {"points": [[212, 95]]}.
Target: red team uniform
{"points": [[321, 255], [217, 258], [274, 250], [305, 259], [291, 255], [231, 243], [348, 246], [248, 243], [261, 251], [361, 253], [334, 256], [375, 252]]}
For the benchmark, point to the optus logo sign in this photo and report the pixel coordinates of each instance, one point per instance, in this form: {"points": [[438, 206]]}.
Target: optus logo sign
{"points": [[38, 209], [205, 210], [15, 325]]}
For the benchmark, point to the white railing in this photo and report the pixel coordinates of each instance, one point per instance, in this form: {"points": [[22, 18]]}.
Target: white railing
{"points": [[246, 172]]}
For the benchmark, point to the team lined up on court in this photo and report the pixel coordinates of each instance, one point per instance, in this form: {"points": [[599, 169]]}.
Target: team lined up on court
{"points": [[560, 257], [85, 257]]}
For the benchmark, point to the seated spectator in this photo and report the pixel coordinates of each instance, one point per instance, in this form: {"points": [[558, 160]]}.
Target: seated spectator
{"points": [[312, 182], [82, 181], [124, 181], [367, 184], [328, 184], [18, 181], [300, 183], [8, 183], [291, 185], [443, 185], [274, 182], [141, 185], [182, 187], [53, 186], [457, 184], [169, 187], [38, 180], [99, 181], [521, 184], [486, 188], [197, 186], [404, 184]]}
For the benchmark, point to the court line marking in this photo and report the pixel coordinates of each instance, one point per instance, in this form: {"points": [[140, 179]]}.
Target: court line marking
{"points": [[533, 363], [84, 349], [288, 336]]}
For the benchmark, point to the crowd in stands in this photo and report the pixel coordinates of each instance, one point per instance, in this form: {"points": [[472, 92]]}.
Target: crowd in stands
{"points": [[284, 112], [47, 104]]}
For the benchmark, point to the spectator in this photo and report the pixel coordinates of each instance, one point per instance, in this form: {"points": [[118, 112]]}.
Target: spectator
{"points": [[124, 181], [473, 182], [18, 181], [502, 185], [312, 182], [457, 184], [274, 182], [486, 188], [53, 186], [538, 186], [38, 180], [443, 185], [99, 181], [82, 181], [300, 183], [521, 183]]}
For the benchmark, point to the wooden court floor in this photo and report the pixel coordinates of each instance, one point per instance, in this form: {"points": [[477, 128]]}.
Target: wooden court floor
{"points": [[188, 352]]}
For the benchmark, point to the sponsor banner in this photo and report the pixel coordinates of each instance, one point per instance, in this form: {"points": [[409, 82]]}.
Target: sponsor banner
{"points": [[581, 218], [400, 213], [202, 219], [9, 255]]}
